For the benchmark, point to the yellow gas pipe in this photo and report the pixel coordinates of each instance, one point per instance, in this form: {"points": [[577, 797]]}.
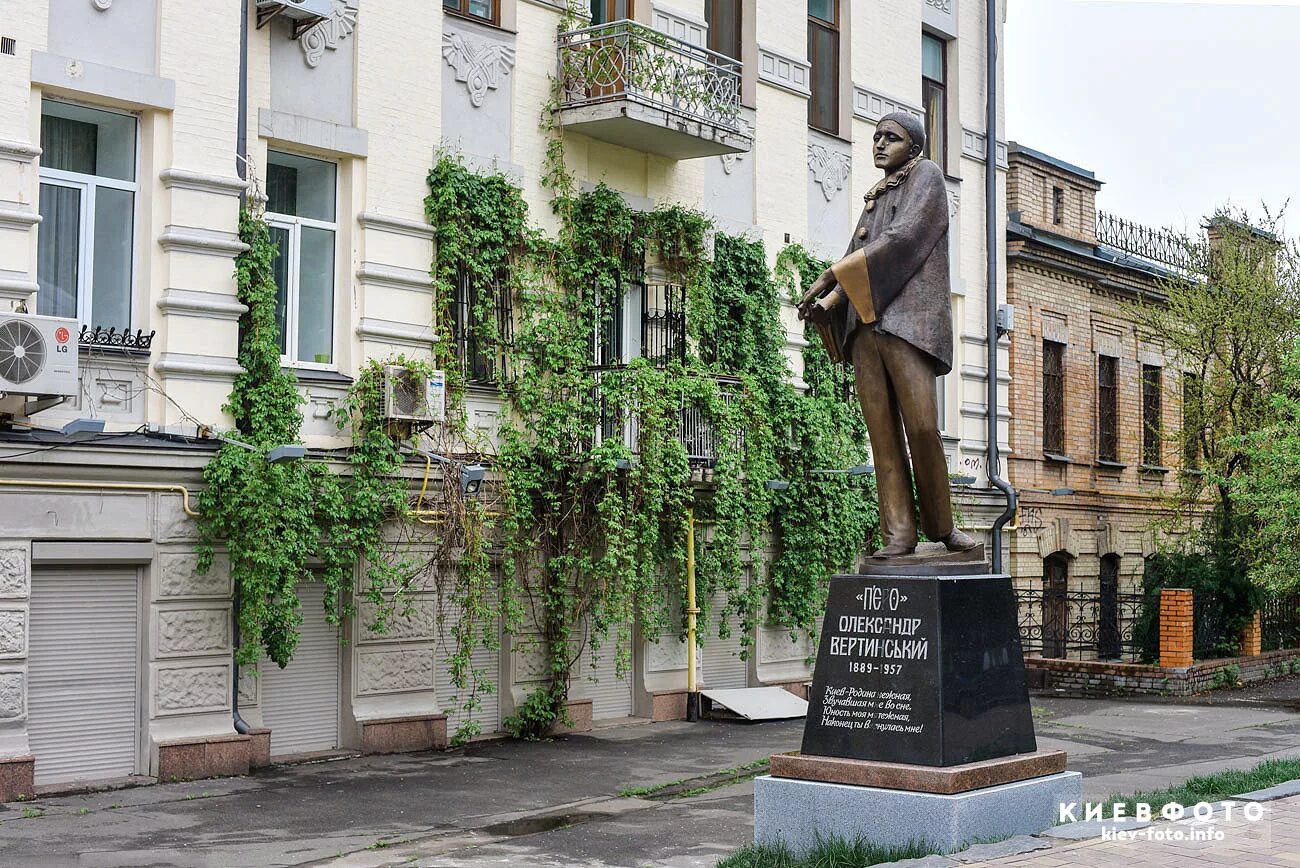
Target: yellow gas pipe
{"points": [[692, 689]]}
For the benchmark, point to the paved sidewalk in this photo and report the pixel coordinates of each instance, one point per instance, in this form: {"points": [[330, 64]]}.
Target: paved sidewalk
{"points": [[559, 804]]}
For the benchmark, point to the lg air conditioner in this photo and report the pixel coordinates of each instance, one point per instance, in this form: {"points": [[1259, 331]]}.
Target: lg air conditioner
{"points": [[412, 397], [38, 355], [298, 10]]}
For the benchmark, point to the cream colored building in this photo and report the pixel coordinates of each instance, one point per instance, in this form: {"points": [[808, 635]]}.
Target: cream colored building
{"points": [[120, 186]]}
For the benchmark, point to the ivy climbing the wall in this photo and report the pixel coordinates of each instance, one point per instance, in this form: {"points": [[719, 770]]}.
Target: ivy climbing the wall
{"points": [[276, 518]]}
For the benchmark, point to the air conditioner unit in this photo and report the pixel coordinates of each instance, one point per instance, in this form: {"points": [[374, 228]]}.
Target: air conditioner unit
{"points": [[298, 10], [38, 355], [411, 397]]}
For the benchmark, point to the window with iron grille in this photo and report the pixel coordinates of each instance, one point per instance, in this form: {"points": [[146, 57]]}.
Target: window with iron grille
{"points": [[1053, 397], [1193, 394], [482, 328], [1055, 605], [1107, 408], [1058, 205], [1152, 430], [663, 322]]}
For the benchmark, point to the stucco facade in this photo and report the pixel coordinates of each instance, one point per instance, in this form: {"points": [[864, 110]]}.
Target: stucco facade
{"points": [[373, 94]]}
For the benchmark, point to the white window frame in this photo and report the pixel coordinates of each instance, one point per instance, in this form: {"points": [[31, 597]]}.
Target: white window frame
{"points": [[87, 185], [294, 226]]}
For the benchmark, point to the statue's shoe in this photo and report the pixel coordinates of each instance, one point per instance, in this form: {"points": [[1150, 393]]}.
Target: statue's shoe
{"points": [[959, 541]]}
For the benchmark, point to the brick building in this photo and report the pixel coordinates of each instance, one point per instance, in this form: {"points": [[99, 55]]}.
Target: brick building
{"points": [[1091, 404]]}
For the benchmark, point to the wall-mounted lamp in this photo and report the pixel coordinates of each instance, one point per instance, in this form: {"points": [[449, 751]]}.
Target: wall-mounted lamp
{"points": [[276, 455]]}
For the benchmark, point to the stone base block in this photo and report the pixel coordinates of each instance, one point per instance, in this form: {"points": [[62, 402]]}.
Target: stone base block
{"points": [[259, 756], [925, 779], [668, 705], [218, 756], [581, 715], [404, 734], [797, 813], [17, 777]]}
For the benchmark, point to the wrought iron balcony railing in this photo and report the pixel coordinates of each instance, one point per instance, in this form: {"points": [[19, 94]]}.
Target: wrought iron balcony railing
{"points": [[695, 429], [1160, 246], [625, 60]]}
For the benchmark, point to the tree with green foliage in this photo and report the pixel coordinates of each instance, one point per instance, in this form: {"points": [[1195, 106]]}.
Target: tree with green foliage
{"points": [[1228, 325]]}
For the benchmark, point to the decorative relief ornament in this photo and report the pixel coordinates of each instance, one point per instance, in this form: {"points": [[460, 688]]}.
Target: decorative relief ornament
{"points": [[329, 32], [101, 5], [829, 168], [941, 5], [480, 65]]}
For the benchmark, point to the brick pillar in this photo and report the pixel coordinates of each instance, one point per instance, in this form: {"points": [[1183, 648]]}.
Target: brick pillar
{"points": [[1252, 637], [1175, 628]]}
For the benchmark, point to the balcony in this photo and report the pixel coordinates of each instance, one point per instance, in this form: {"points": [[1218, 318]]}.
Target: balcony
{"points": [[631, 85]]}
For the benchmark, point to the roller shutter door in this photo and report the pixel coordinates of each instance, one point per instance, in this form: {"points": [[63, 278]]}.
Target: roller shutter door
{"points": [[84, 674], [611, 696], [300, 703], [722, 666]]}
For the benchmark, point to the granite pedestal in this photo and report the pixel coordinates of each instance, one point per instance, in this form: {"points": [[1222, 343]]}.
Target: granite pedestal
{"points": [[799, 813], [918, 726]]}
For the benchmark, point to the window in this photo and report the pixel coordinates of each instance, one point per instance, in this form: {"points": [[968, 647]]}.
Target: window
{"points": [[605, 11], [1152, 429], [663, 322], [824, 59], [1108, 636], [86, 241], [1107, 408], [934, 88], [723, 18], [1053, 398], [1193, 397], [301, 195], [488, 10], [482, 328], [1058, 205]]}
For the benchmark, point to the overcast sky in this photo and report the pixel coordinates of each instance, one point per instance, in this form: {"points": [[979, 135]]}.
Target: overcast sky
{"points": [[1179, 107]]}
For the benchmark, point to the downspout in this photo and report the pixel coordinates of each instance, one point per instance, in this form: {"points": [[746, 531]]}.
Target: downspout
{"points": [[241, 167], [992, 227]]}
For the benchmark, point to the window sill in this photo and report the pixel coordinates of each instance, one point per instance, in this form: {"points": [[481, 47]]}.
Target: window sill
{"points": [[1192, 472], [1154, 469], [1056, 458], [482, 22], [834, 135], [317, 377], [1111, 465]]}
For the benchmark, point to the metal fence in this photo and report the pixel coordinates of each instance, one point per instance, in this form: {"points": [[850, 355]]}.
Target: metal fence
{"points": [[1079, 624], [1210, 637], [1160, 246], [1280, 622], [625, 60]]}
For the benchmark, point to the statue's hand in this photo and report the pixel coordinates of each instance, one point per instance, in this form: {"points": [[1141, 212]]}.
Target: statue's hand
{"points": [[819, 289], [823, 309]]}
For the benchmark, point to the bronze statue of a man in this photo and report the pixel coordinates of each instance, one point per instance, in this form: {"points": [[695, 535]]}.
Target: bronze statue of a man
{"points": [[886, 309]]}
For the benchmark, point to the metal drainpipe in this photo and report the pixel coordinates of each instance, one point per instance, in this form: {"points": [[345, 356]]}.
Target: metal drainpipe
{"points": [[241, 149], [992, 227]]}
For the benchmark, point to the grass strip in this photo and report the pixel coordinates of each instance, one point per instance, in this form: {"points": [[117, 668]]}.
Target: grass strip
{"points": [[1213, 788], [685, 787], [831, 853]]}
